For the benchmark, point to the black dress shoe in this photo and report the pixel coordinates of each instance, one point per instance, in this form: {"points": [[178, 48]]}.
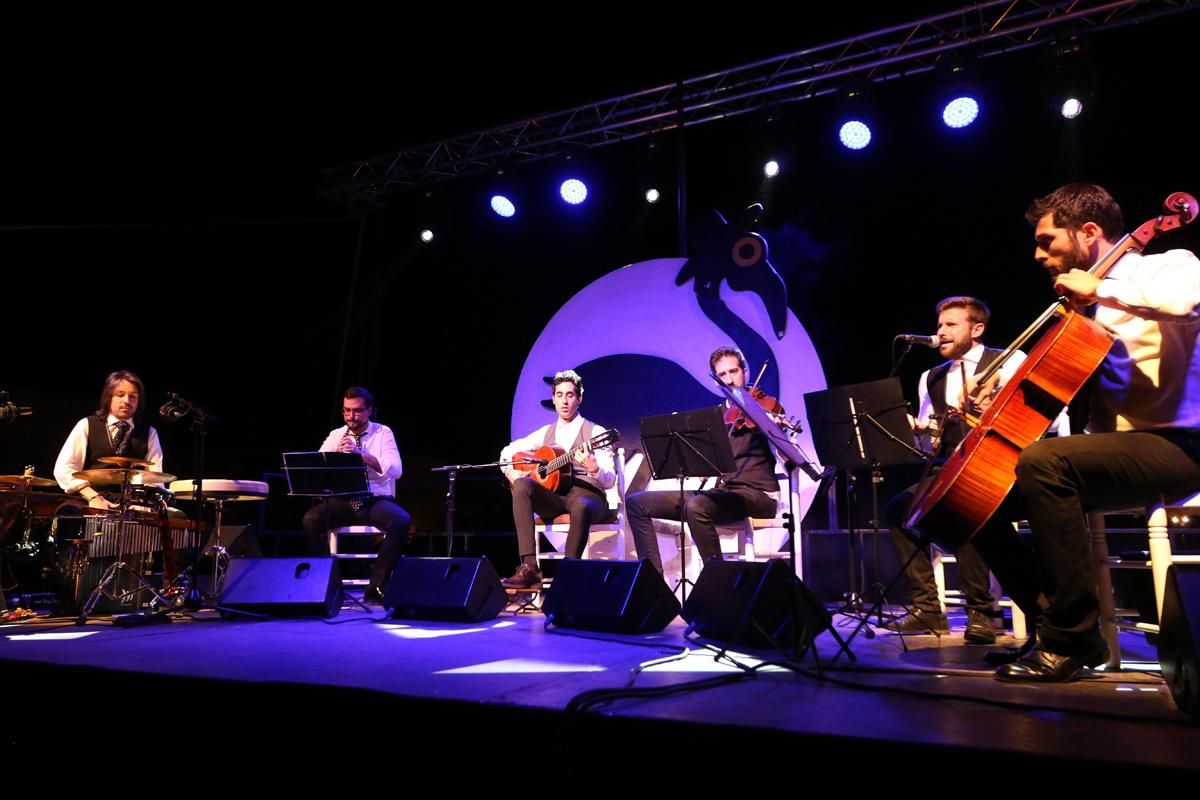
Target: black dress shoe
{"points": [[1042, 666], [373, 595], [980, 628], [1010, 654]]}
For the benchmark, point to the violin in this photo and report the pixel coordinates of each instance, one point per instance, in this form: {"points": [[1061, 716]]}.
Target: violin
{"points": [[736, 420]]}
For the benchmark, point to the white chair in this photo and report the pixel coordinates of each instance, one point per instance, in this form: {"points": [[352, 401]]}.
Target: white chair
{"points": [[1158, 515], [352, 530], [948, 597], [606, 540]]}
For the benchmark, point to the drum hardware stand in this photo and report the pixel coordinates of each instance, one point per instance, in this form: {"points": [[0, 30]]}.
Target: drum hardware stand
{"points": [[101, 590], [176, 408]]}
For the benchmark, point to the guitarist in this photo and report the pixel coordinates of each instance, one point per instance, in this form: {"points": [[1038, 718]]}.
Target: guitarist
{"points": [[581, 495]]}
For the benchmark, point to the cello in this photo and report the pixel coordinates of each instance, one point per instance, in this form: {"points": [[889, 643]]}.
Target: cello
{"points": [[979, 474]]}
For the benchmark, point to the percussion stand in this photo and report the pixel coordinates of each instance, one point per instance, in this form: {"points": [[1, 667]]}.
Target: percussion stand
{"points": [[124, 517], [176, 408]]}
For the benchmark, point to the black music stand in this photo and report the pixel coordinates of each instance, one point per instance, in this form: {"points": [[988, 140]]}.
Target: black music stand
{"points": [[807, 611], [325, 475], [691, 444], [856, 426]]}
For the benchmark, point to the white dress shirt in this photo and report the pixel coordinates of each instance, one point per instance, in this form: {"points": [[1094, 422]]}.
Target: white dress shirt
{"points": [[954, 386], [379, 441], [74, 451], [1151, 377]]}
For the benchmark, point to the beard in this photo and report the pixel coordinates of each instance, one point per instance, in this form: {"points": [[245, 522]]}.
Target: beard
{"points": [[1078, 258]]}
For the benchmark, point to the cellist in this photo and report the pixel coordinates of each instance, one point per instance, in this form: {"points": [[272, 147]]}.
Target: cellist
{"points": [[1143, 437]]}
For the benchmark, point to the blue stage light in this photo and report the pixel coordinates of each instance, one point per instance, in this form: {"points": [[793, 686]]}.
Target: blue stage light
{"points": [[855, 134], [960, 112], [573, 191]]}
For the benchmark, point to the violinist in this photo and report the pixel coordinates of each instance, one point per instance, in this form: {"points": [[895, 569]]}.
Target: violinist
{"points": [[377, 445], [751, 490], [947, 394], [1144, 431], [583, 500]]}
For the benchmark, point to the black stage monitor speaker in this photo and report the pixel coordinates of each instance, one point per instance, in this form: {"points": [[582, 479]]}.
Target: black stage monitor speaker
{"points": [[611, 596], [753, 603], [445, 589], [284, 587], [1179, 635]]}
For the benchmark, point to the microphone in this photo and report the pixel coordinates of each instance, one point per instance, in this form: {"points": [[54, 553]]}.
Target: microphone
{"points": [[9, 411], [912, 338]]}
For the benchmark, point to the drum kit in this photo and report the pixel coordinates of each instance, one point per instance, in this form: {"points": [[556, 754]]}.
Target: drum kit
{"points": [[140, 519]]}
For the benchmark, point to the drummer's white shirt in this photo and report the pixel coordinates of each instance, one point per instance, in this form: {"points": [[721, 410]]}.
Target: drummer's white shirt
{"points": [[74, 451]]}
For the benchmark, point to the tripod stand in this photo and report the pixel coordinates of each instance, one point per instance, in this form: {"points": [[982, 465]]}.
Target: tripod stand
{"points": [[856, 426], [692, 444]]}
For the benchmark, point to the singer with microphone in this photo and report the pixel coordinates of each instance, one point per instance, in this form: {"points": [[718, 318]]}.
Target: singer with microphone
{"points": [[584, 501], [377, 445], [946, 394]]}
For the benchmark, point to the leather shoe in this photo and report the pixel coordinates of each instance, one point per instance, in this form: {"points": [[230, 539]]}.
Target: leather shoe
{"points": [[920, 622], [1041, 666], [526, 577], [1010, 654], [980, 628], [373, 595]]}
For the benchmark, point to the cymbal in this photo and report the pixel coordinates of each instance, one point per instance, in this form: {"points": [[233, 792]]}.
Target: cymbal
{"points": [[42, 504], [125, 461], [116, 477], [27, 480]]}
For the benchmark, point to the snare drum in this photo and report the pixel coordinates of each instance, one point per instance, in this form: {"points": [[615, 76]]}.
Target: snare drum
{"points": [[151, 499]]}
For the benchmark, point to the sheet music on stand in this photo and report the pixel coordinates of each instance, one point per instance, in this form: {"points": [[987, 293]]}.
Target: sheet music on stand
{"points": [[324, 474]]}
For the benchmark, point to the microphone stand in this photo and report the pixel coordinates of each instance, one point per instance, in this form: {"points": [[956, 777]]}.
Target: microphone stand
{"points": [[452, 471]]}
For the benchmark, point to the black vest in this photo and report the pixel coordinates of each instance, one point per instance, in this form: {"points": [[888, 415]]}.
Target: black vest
{"points": [[99, 444], [953, 431], [578, 473]]}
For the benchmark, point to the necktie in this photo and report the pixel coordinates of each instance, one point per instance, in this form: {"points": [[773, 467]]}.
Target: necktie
{"points": [[120, 437]]}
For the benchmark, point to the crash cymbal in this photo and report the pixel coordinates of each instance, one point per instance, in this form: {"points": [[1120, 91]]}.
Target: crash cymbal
{"points": [[27, 480], [116, 477], [125, 461]]}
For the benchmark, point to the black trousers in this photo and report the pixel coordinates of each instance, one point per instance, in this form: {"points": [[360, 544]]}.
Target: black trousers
{"points": [[586, 506], [378, 512], [704, 511], [922, 588], [1058, 481]]}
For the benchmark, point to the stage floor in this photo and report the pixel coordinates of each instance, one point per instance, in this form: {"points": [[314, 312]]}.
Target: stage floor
{"points": [[937, 694]]}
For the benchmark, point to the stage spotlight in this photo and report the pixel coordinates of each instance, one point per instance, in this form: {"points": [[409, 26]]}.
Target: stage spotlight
{"points": [[855, 134], [503, 206], [652, 195], [427, 236], [573, 191], [1072, 107], [771, 169], [960, 112]]}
